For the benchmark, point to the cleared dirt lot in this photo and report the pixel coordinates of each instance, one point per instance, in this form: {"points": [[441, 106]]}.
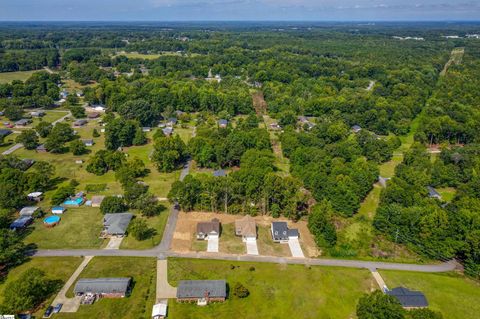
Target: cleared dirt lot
{"points": [[183, 238]]}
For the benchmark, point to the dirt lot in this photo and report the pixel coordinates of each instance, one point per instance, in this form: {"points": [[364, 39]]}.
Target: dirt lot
{"points": [[183, 238]]}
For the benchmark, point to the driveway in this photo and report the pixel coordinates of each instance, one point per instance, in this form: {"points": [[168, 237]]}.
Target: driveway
{"points": [[212, 246], [71, 304], [252, 248], [378, 279], [12, 149], [164, 290], [295, 248], [114, 243]]}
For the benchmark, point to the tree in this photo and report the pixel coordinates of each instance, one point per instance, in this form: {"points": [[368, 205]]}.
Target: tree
{"points": [[321, 226], [168, 153], [139, 229], [120, 133], [105, 160], [62, 193], [60, 134], [13, 113], [95, 133], [287, 118], [11, 188], [378, 305], [43, 129], [78, 111], [139, 110], [423, 313], [28, 291], [112, 205], [77, 147], [28, 138], [140, 138], [240, 291], [12, 249]]}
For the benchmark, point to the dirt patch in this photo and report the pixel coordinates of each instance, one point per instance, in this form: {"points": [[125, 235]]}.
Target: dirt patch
{"points": [[259, 103], [183, 238]]}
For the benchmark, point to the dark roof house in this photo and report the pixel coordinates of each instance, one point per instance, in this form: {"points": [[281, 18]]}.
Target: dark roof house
{"points": [[222, 123], [219, 173], [4, 132], [116, 224], [195, 290], [409, 298], [107, 287], [432, 193], [281, 232], [206, 229], [21, 222]]}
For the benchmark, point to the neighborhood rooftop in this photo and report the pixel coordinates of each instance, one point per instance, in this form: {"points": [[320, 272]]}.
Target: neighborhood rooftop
{"points": [[409, 298], [102, 285], [202, 289], [116, 224]]}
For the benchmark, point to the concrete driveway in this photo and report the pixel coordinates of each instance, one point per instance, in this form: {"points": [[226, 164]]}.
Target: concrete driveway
{"points": [[295, 248], [252, 248], [114, 243], [212, 246], [164, 290]]}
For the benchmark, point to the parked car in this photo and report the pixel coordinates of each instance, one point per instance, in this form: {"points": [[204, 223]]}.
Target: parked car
{"points": [[48, 312], [57, 307]]}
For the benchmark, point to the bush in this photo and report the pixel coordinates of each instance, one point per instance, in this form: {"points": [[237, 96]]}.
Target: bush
{"points": [[139, 229], [78, 148], [240, 291], [61, 194], [112, 205]]}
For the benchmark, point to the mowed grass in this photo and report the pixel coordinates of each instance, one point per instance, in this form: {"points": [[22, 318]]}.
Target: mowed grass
{"points": [[229, 242], [453, 295], [136, 55], [267, 247], [138, 305], [7, 77], [55, 268], [387, 169], [447, 193], [276, 290], [157, 223], [79, 228]]}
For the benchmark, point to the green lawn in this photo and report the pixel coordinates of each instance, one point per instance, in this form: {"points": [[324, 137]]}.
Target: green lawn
{"points": [[157, 222], [137, 305], [454, 295], [229, 243], [79, 228], [136, 55], [276, 291], [7, 77], [387, 169], [55, 268], [447, 193]]}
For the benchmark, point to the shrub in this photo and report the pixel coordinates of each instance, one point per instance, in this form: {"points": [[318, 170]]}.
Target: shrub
{"points": [[112, 205], [240, 291]]}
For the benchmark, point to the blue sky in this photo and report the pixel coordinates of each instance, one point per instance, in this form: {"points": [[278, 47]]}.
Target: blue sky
{"points": [[203, 10]]}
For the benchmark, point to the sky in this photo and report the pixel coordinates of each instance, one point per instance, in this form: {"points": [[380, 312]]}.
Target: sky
{"points": [[239, 10]]}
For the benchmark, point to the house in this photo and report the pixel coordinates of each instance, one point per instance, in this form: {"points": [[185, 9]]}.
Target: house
{"points": [[58, 210], [208, 230], [87, 142], [21, 223], [116, 224], [179, 113], [383, 181], [159, 310], [98, 107], [246, 228], [201, 291], [356, 128], [172, 121], [103, 287], [35, 196], [26, 164], [80, 122], [219, 173], [432, 193], [222, 123], [37, 113], [409, 298], [93, 115], [146, 129], [97, 200], [63, 94], [5, 133], [281, 233], [79, 93], [28, 211], [23, 122], [167, 131], [41, 149], [305, 121]]}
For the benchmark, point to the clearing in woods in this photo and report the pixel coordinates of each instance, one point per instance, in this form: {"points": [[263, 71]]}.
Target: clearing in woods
{"points": [[455, 57], [259, 103]]}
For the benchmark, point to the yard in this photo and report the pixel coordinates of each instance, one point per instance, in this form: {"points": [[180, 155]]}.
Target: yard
{"points": [[79, 228], [276, 291], [453, 295], [55, 268], [137, 305], [7, 77]]}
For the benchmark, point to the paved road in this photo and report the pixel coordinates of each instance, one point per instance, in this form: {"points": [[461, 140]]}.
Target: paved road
{"points": [[164, 290], [62, 118], [13, 149]]}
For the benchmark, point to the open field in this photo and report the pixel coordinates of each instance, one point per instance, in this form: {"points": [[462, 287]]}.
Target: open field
{"points": [[447, 193], [137, 305], [55, 268], [7, 77], [78, 228], [276, 291], [454, 295], [136, 55]]}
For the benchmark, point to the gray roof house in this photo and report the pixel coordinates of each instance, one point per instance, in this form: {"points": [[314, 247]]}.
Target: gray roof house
{"points": [[106, 287], [409, 298], [208, 229], [22, 122], [202, 291], [4, 132], [28, 211], [356, 128], [222, 123], [87, 142], [167, 131], [281, 232], [219, 173], [432, 193], [116, 224], [80, 122]]}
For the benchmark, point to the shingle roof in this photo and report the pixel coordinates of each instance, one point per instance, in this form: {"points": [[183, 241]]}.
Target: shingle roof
{"points": [[208, 227], [246, 227], [102, 285], [4, 132], [199, 288], [21, 222], [280, 230], [219, 173], [116, 223], [409, 298], [28, 211], [432, 192], [97, 200]]}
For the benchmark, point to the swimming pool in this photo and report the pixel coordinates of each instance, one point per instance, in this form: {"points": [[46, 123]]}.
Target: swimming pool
{"points": [[74, 202], [51, 220]]}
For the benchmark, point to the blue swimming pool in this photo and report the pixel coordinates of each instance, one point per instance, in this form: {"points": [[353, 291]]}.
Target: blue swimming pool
{"points": [[51, 220], [74, 202]]}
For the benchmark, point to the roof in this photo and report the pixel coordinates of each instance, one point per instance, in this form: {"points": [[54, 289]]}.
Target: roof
{"points": [[102, 285], [58, 208], [208, 227], [87, 141], [21, 222], [432, 192], [409, 298], [246, 226], [22, 122], [41, 147], [222, 122], [27, 163], [35, 194], [172, 120], [116, 223], [97, 199], [80, 122], [280, 230], [160, 309], [219, 173], [28, 211], [4, 132], [356, 128], [93, 115], [199, 288], [167, 130]]}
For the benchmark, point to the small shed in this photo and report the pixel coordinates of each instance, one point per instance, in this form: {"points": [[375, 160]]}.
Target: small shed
{"points": [[103, 287], [432, 193], [58, 210], [35, 196], [208, 230], [87, 142], [167, 131], [159, 310], [28, 211], [146, 129], [27, 163], [22, 122], [93, 115], [172, 121], [80, 122], [222, 123], [37, 114], [97, 200], [21, 222], [409, 298], [356, 128], [219, 173]]}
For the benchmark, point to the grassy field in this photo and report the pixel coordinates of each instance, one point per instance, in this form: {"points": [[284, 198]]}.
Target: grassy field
{"points": [[229, 243], [276, 291], [387, 169], [7, 77], [157, 222], [78, 228], [267, 247], [55, 268], [453, 295], [447, 193], [136, 55], [137, 305]]}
